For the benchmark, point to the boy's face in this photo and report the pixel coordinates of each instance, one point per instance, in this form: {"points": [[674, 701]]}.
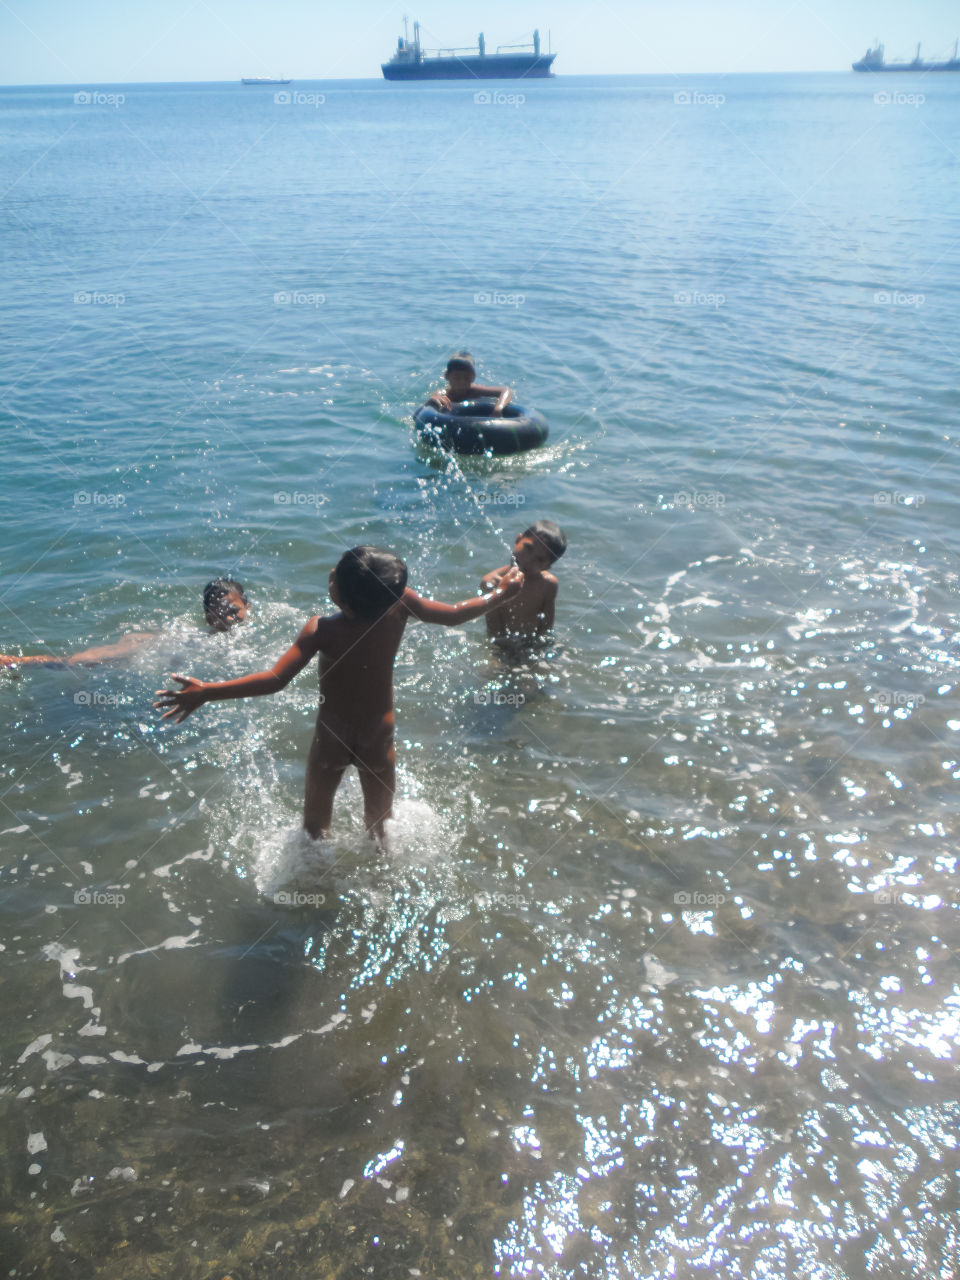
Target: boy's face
{"points": [[459, 379], [530, 554], [229, 611]]}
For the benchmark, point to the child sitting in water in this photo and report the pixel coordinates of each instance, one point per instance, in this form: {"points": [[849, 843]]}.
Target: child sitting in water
{"points": [[224, 605], [529, 613], [357, 648], [460, 374]]}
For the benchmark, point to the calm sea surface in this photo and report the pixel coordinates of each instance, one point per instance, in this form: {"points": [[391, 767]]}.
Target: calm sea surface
{"points": [[660, 974]]}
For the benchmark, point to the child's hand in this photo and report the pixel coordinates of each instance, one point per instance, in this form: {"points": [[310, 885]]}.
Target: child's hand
{"points": [[181, 701], [511, 583]]}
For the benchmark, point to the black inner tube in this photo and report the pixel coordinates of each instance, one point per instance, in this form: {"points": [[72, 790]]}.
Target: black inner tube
{"points": [[470, 428]]}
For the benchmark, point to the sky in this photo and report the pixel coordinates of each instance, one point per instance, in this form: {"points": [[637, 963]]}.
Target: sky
{"points": [[81, 42]]}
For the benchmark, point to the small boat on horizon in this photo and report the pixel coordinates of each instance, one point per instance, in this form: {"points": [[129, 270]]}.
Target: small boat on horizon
{"points": [[264, 80], [873, 60]]}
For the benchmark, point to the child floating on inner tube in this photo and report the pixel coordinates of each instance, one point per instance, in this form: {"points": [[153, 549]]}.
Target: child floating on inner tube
{"points": [[460, 374]]}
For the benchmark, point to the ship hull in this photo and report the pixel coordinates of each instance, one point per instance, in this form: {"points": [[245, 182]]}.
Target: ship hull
{"points": [[919, 67], [494, 66]]}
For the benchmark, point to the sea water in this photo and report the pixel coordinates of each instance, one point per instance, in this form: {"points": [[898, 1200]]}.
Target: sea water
{"points": [[658, 975]]}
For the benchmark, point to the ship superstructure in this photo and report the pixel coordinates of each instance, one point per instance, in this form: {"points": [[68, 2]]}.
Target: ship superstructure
{"points": [[873, 60]]}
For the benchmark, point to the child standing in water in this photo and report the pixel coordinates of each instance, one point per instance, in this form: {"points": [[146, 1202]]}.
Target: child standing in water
{"points": [[357, 648], [460, 374], [529, 612]]}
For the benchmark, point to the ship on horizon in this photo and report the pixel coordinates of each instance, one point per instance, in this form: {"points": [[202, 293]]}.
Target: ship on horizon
{"points": [[873, 60], [264, 80], [510, 62]]}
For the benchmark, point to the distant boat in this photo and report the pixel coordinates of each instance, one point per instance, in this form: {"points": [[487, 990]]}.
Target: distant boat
{"points": [[511, 62], [264, 80], [872, 60]]}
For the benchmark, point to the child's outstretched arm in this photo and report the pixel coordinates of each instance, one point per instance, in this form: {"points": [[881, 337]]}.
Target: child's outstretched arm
{"points": [[194, 693], [492, 579], [86, 657], [502, 395], [452, 615]]}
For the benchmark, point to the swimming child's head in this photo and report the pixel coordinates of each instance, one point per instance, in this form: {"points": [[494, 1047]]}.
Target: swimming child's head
{"points": [[368, 581], [539, 546], [224, 603], [460, 371]]}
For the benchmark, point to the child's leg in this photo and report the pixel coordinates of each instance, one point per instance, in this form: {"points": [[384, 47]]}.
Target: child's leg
{"points": [[378, 786], [324, 772], [377, 766]]}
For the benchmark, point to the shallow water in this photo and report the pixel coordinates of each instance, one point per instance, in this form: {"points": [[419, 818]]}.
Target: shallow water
{"points": [[659, 975]]}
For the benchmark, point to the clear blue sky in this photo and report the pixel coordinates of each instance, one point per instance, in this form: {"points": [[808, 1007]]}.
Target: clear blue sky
{"points": [[111, 41]]}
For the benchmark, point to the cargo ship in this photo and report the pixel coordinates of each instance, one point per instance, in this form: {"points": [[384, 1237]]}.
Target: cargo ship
{"points": [[873, 60], [510, 62]]}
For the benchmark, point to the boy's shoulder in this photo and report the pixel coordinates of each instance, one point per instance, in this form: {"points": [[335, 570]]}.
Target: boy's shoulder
{"points": [[314, 629]]}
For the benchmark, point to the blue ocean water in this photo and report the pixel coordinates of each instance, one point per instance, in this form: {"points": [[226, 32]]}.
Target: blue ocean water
{"points": [[659, 976]]}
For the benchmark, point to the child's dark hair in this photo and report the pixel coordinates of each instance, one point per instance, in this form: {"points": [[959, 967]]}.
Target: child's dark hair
{"points": [[462, 360], [216, 592], [370, 580], [550, 536]]}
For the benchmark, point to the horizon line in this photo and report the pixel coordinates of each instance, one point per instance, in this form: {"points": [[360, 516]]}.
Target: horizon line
{"points": [[573, 75]]}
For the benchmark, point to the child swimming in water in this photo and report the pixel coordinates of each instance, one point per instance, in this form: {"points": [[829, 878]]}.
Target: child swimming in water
{"points": [[224, 605], [530, 612], [460, 374], [357, 648]]}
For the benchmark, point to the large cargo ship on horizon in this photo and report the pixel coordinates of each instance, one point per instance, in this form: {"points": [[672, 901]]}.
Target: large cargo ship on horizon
{"points": [[510, 62], [872, 60]]}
